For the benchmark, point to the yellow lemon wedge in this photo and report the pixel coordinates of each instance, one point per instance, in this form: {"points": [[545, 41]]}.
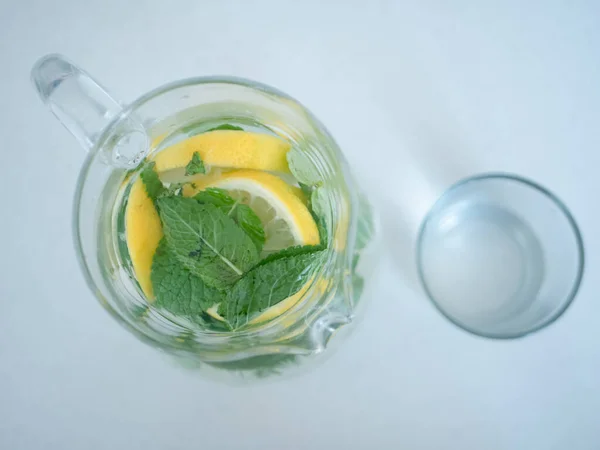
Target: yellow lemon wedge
{"points": [[143, 233], [228, 148]]}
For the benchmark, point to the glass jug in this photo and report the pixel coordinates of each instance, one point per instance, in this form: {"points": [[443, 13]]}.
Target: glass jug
{"points": [[119, 138]]}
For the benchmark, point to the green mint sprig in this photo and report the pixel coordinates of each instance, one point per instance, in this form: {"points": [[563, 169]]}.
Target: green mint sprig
{"points": [[154, 187], [225, 126], [195, 166], [267, 284], [178, 290], [241, 214], [206, 241], [190, 130]]}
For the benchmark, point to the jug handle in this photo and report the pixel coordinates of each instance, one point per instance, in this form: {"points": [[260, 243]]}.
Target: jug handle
{"points": [[84, 107]]}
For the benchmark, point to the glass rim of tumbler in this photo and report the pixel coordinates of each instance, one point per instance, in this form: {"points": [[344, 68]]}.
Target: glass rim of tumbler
{"points": [[525, 182]]}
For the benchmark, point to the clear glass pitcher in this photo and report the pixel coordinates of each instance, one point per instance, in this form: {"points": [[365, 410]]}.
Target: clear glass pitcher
{"points": [[119, 138]]}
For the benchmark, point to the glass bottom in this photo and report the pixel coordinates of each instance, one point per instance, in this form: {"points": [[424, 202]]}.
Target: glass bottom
{"points": [[480, 252]]}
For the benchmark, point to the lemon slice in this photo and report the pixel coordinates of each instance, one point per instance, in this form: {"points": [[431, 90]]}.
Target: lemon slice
{"points": [[228, 148], [285, 218], [143, 233]]}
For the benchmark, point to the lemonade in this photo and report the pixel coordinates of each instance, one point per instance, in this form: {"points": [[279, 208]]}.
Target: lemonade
{"points": [[215, 218], [220, 233]]}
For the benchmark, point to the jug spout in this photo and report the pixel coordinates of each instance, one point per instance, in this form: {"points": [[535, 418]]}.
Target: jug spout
{"points": [[79, 102]]}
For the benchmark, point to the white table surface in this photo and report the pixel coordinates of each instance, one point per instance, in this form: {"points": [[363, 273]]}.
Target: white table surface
{"points": [[418, 95]]}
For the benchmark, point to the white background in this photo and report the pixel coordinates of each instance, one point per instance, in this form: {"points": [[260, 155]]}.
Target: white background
{"points": [[418, 95]]}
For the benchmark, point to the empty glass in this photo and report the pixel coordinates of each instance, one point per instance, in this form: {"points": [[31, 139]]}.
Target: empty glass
{"points": [[500, 256]]}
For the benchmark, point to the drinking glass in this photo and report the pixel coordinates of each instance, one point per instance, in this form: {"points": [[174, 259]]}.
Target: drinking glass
{"points": [[500, 256]]}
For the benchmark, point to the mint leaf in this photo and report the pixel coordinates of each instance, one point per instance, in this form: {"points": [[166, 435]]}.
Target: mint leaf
{"points": [[319, 201], [319, 204], [191, 129], [306, 189], [206, 240], [240, 213], [196, 165], [139, 312], [358, 286], [216, 196], [302, 167], [226, 126], [322, 227], [176, 289], [315, 193], [278, 277], [365, 226], [153, 185], [250, 223], [289, 252]]}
